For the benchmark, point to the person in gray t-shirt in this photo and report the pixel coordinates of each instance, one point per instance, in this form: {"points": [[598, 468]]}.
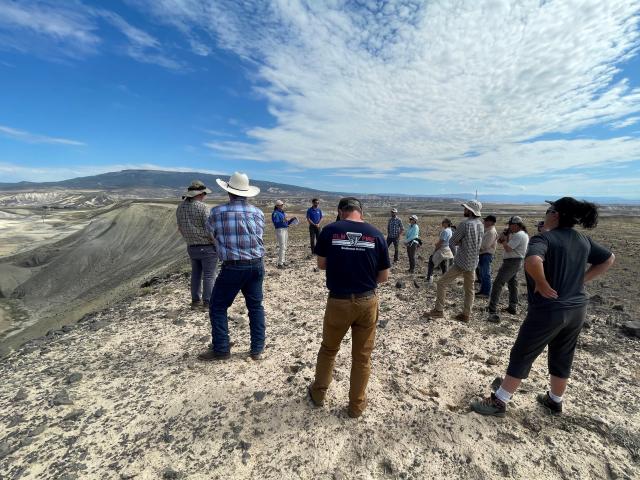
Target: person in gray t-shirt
{"points": [[555, 267]]}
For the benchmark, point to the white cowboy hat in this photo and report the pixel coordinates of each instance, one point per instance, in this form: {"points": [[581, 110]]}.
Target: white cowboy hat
{"points": [[474, 206], [238, 184], [196, 188], [413, 217]]}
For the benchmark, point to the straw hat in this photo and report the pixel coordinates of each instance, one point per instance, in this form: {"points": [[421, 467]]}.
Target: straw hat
{"points": [[238, 184], [196, 188]]}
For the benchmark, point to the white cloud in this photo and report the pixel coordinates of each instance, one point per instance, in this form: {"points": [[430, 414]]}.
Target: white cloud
{"points": [[627, 122], [28, 137], [72, 30], [418, 86]]}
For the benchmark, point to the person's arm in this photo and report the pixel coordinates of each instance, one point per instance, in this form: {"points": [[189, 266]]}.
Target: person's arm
{"points": [[534, 267], [308, 219], [595, 271], [383, 275], [322, 262], [457, 236]]}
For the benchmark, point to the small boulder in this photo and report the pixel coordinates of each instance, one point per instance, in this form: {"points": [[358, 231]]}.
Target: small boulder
{"points": [[61, 398], [72, 378], [632, 328], [399, 284]]}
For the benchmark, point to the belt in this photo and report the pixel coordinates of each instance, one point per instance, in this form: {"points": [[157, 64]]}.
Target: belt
{"points": [[346, 296], [203, 245], [251, 261]]}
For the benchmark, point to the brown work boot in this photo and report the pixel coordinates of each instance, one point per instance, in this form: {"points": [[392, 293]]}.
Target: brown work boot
{"points": [[310, 397], [433, 314], [353, 414], [462, 317]]}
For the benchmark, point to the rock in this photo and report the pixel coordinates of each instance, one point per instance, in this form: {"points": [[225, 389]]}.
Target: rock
{"points": [[74, 415], [259, 395], [73, 378], [151, 281], [632, 328], [5, 450], [315, 269], [416, 284], [61, 398], [20, 395], [382, 323], [492, 361], [170, 474], [67, 328], [38, 430], [618, 307], [399, 284], [15, 420], [443, 341], [179, 322], [99, 413], [596, 299], [586, 324]]}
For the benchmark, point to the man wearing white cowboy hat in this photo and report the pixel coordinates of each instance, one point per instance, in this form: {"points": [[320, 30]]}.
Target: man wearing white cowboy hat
{"points": [[191, 216], [237, 227], [468, 237]]}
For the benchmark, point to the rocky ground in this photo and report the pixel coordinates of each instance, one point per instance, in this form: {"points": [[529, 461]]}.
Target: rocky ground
{"points": [[121, 394]]}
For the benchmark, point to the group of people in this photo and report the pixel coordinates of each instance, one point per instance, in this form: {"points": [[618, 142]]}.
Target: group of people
{"points": [[355, 257]]}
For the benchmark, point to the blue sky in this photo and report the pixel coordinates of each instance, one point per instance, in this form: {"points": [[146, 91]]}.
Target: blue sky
{"points": [[402, 96]]}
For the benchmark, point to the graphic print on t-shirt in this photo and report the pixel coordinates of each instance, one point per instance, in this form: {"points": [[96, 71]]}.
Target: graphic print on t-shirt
{"points": [[353, 241]]}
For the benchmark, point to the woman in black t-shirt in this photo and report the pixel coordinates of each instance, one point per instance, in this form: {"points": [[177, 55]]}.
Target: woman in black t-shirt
{"points": [[555, 268]]}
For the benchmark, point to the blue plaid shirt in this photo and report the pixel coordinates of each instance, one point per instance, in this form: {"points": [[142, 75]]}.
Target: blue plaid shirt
{"points": [[237, 227]]}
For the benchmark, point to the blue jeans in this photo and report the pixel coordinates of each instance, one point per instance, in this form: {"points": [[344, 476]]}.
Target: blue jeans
{"points": [[232, 279], [484, 267], [204, 261]]}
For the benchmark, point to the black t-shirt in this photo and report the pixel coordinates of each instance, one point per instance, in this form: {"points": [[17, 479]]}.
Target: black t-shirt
{"points": [[565, 253], [355, 253]]}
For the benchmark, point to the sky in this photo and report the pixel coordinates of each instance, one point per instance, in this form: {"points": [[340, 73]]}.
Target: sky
{"points": [[417, 97]]}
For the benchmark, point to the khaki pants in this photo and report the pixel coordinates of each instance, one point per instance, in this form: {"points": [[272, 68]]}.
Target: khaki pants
{"points": [[282, 236], [469, 293], [361, 315]]}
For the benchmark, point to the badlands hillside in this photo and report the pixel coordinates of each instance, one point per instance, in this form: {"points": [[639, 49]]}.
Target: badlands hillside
{"points": [[120, 394]]}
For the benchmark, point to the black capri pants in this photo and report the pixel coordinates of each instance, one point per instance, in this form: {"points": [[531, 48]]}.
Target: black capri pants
{"points": [[559, 329]]}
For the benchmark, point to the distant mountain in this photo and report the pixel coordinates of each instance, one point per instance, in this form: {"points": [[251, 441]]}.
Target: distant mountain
{"points": [[149, 179]]}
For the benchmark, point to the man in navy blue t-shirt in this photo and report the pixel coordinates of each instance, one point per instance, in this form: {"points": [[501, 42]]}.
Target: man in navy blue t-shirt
{"points": [[314, 217], [356, 258]]}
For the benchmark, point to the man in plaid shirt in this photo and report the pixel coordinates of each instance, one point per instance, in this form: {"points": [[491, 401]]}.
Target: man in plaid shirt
{"points": [[237, 227], [468, 237], [191, 216], [394, 230]]}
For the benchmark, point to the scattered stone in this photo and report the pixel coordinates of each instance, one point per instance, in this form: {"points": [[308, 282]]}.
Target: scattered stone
{"points": [[532, 425], [586, 324], [493, 361], [596, 299], [73, 378], [179, 322], [74, 415], [15, 420], [618, 307], [315, 269], [632, 328], [38, 430], [443, 341], [150, 282], [67, 328], [170, 474], [99, 413], [259, 395], [416, 284], [399, 284], [61, 398], [382, 323]]}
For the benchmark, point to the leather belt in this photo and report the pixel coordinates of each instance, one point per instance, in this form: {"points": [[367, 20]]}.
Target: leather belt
{"points": [[346, 296], [251, 261]]}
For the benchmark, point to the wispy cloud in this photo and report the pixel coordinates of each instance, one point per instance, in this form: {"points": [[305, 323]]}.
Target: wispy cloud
{"points": [[420, 85], [72, 30], [29, 137], [627, 122]]}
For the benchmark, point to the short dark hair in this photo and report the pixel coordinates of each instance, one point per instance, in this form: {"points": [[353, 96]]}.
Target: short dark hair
{"points": [[447, 221], [491, 218], [349, 204], [314, 200]]}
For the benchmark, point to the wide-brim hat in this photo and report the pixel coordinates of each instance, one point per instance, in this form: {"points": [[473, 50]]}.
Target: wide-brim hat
{"points": [[394, 210], [413, 217], [474, 206], [515, 220], [238, 184], [196, 188]]}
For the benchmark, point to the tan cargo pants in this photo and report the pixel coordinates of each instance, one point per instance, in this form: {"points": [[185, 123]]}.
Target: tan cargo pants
{"points": [[361, 315], [469, 292]]}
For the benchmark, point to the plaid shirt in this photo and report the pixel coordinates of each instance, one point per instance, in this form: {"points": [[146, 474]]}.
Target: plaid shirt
{"points": [[468, 237], [394, 226], [192, 220], [237, 227]]}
